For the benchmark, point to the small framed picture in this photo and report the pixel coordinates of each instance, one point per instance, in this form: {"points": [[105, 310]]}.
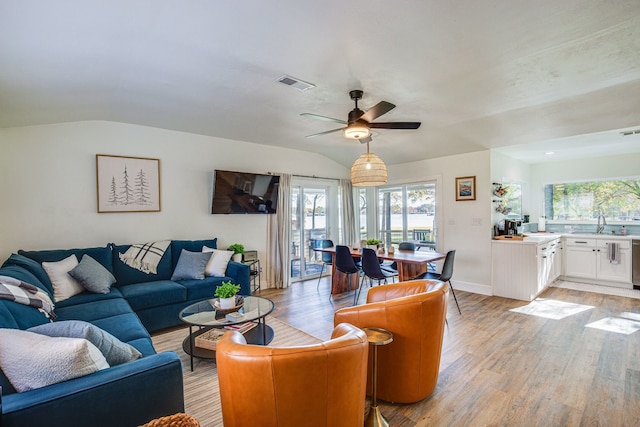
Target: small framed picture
{"points": [[127, 184], [466, 188]]}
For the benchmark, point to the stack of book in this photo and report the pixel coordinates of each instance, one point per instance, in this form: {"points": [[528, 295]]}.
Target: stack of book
{"points": [[242, 328]]}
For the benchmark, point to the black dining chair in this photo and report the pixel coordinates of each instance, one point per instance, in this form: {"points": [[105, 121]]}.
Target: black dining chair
{"points": [[326, 257], [345, 264], [445, 275], [372, 270]]}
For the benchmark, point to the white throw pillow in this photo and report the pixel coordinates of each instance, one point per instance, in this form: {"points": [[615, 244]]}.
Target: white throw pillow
{"points": [[217, 265], [31, 360], [64, 286]]}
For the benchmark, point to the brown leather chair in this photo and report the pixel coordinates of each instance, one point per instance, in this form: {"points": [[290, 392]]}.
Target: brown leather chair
{"points": [[315, 385], [415, 312]]}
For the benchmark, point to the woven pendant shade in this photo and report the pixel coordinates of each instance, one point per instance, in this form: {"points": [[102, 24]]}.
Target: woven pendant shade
{"points": [[368, 170]]}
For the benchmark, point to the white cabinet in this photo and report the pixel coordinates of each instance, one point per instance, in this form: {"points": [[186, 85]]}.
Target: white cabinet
{"points": [[522, 270], [615, 272], [588, 258], [580, 258]]}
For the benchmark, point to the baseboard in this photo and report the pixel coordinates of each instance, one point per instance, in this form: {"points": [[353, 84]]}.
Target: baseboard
{"points": [[475, 288]]}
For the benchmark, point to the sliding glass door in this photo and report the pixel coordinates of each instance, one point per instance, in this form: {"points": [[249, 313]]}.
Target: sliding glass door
{"points": [[311, 222]]}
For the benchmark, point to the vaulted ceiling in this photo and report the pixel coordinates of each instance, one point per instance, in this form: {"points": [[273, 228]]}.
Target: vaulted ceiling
{"points": [[477, 74]]}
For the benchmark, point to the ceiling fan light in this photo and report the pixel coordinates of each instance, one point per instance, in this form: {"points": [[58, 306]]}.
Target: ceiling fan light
{"points": [[356, 131], [368, 171]]}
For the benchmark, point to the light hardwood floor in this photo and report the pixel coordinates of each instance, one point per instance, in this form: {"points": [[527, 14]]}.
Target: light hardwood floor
{"points": [[505, 368]]}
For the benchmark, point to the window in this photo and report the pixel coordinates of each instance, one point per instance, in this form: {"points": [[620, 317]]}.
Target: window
{"points": [[362, 212], [618, 200], [407, 212]]}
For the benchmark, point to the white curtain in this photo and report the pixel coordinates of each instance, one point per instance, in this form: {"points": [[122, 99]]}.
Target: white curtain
{"points": [[278, 237], [348, 213]]}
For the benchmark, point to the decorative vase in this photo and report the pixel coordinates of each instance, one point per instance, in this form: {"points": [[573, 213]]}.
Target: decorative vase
{"points": [[227, 303], [237, 257]]}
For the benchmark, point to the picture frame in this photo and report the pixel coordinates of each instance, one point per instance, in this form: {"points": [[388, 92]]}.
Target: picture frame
{"points": [[127, 184], [465, 188]]}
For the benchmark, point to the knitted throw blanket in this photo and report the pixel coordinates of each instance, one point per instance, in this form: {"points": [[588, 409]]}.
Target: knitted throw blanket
{"points": [[12, 289], [145, 256]]}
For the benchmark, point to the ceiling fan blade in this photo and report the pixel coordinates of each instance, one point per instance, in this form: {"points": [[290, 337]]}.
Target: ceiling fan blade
{"points": [[382, 107], [395, 125], [365, 140], [323, 133], [327, 119]]}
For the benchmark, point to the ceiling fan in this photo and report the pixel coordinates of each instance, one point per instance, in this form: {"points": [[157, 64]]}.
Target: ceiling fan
{"points": [[359, 122]]}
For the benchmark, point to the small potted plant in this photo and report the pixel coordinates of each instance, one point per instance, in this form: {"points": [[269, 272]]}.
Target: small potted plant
{"points": [[373, 244], [227, 293], [238, 250]]}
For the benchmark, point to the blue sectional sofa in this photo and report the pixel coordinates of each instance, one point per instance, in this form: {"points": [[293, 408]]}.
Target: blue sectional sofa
{"points": [[128, 394]]}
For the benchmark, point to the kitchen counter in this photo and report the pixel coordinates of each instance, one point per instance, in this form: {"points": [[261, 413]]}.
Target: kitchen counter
{"points": [[538, 238]]}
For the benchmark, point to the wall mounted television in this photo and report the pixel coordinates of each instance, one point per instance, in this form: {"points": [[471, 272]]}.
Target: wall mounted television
{"points": [[244, 193]]}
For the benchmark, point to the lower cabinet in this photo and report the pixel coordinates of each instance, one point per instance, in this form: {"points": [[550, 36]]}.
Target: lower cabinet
{"points": [[523, 270], [590, 259]]}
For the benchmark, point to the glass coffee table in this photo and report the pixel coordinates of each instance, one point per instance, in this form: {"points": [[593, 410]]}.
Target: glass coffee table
{"points": [[204, 316]]}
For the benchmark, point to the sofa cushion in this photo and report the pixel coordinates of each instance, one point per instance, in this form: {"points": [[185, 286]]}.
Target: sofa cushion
{"points": [[87, 296], [102, 255], [115, 351], [126, 275], [64, 286], [31, 360], [94, 310], [217, 265], [191, 245], [191, 265], [92, 275], [201, 289], [33, 267], [153, 294]]}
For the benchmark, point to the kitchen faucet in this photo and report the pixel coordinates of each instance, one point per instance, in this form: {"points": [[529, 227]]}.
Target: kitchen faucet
{"points": [[604, 222]]}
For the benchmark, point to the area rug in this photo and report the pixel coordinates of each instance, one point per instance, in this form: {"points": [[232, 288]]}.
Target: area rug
{"points": [[201, 392]]}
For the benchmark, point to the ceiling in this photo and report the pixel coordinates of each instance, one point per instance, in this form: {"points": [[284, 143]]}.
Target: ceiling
{"points": [[561, 75]]}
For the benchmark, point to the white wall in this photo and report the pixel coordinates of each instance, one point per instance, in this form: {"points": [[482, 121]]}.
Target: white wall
{"points": [[623, 166], [48, 187], [464, 225]]}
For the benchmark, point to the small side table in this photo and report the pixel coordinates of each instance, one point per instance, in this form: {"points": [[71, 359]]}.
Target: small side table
{"points": [[376, 337], [250, 258]]}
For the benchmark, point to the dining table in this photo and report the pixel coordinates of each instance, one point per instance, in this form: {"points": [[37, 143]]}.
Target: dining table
{"points": [[411, 264]]}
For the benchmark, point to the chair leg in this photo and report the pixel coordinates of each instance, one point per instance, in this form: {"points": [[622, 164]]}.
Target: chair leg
{"points": [[356, 295], [454, 297], [321, 271]]}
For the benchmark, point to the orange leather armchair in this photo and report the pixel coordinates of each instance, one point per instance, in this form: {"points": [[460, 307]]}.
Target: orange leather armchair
{"points": [[315, 385], [415, 312]]}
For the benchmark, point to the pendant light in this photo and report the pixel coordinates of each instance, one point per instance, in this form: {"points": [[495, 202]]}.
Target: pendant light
{"points": [[368, 170]]}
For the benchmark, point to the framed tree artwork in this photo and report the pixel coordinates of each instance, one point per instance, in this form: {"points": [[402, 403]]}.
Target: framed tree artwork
{"points": [[466, 188], [127, 184]]}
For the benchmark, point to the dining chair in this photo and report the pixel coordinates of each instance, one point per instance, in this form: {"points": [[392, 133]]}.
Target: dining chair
{"points": [[372, 270], [345, 264], [326, 257], [445, 275]]}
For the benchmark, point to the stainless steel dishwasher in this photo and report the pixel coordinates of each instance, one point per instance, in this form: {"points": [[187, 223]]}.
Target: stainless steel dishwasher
{"points": [[635, 254]]}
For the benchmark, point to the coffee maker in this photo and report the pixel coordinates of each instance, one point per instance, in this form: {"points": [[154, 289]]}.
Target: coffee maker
{"points": [[513, 227]]}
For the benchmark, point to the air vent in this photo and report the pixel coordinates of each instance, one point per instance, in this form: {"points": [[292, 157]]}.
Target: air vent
{"points": [[296, 83], [630, 132]]}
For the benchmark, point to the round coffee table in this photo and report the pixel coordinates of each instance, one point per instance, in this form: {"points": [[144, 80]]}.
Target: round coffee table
{"points": [[205, 316]]}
